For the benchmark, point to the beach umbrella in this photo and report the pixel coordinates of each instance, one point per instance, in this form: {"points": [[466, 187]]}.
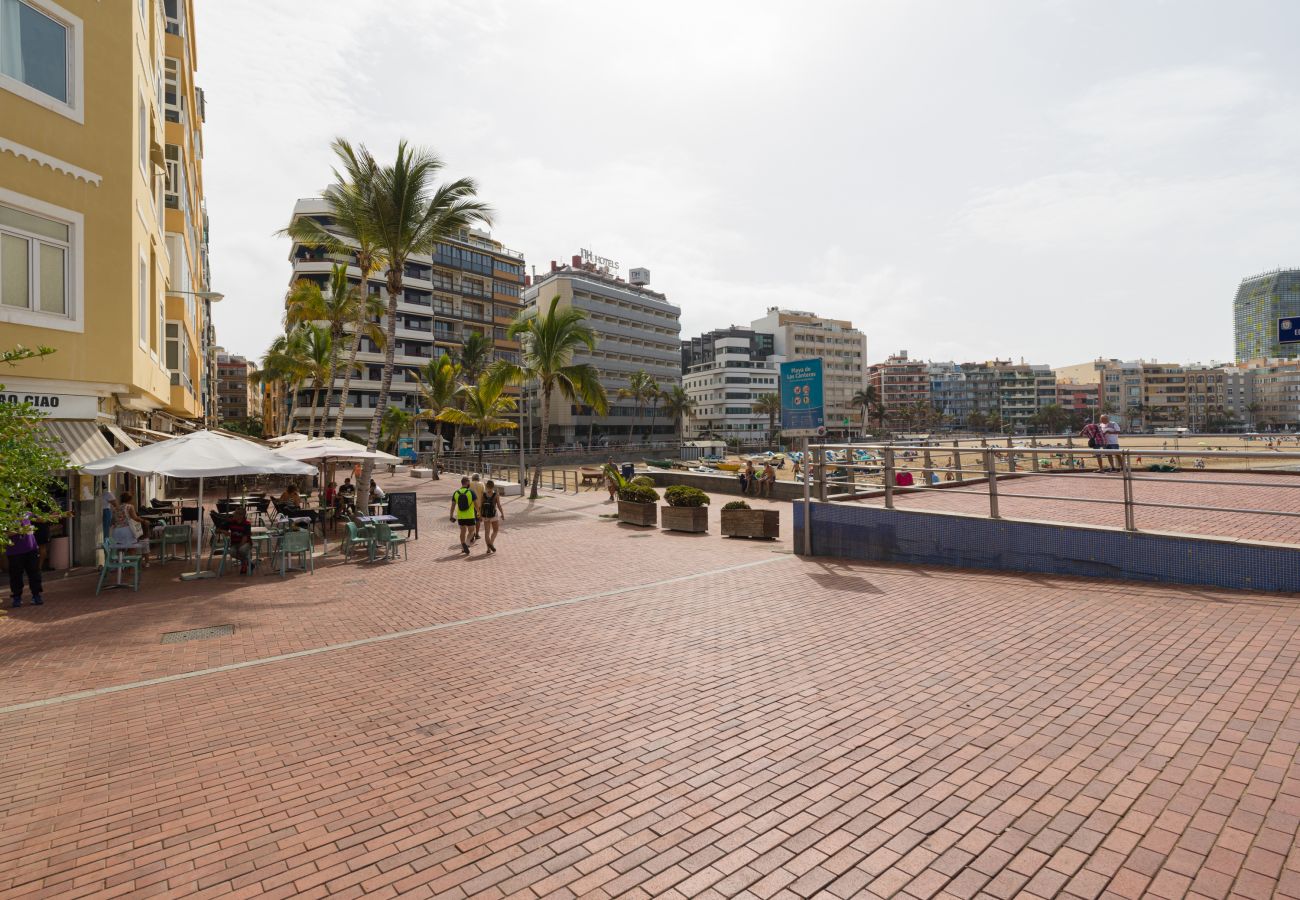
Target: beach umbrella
{"points": [[201, 454], [321, 449], [287, 438]]}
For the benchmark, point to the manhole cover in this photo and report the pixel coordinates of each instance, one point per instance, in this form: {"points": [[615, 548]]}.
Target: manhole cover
{"points": [[197, 634]]}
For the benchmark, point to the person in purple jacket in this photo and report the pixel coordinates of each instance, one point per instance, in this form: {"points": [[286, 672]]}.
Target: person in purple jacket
{"points": [[24, 557]]}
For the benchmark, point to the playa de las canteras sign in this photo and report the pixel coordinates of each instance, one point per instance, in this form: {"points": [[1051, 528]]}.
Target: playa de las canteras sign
{"points": [[803, 413]]}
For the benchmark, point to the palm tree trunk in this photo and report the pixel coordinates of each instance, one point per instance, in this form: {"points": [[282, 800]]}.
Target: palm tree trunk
{"points": [[352, 364], [315, 399], [546, 427], [654, 413], [390, 349], [591, 429]]}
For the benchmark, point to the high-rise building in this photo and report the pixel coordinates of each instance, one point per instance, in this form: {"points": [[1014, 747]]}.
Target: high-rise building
{"points": [[725, 372], [1260, 302], [951, 394], [1275, 393], [469, 284], [840, 346], [636, 329], [239, 397], [901, 384], [103, 238]]}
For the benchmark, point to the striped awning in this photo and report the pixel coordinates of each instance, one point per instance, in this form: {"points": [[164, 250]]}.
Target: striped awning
{"points": [[122, 436], [78, 439]]}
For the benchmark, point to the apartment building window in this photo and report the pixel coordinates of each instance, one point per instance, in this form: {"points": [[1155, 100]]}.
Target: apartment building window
{"points": [[142, 303], [172, 100], [40, 55], [142, 137], [38, 262]]}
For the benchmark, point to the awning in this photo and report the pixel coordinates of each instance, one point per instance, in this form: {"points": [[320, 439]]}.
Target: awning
{"points": [[122, 436], [78, 439]]}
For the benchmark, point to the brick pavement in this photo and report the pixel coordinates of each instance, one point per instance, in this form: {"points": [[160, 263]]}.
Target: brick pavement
{"points": [[1221, 490], [707, 719]]}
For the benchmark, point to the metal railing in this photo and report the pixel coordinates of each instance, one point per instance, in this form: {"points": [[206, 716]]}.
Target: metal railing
{"points": [[868, 470]]}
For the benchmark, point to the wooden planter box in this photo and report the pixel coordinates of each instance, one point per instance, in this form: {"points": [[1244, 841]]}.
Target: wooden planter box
{"points": [[759, 523], [638, 513], [694, 519]]}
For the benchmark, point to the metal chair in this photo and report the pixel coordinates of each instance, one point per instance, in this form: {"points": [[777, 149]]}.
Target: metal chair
{"points": [[384, 535], [122, 562], [175, 535], [295, 543]]}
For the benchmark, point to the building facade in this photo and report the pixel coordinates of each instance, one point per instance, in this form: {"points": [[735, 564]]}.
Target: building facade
{"points": [[239, 396], [901, 385], [636, 329], [842, 349], [469, 284], [1274, 393], [103, 238], [725, 372], [1260, 302]]}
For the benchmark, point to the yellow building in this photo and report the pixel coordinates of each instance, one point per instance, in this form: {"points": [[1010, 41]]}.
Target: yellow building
{"points": [[103, 248]]}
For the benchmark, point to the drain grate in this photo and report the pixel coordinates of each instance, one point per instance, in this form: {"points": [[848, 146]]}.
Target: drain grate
{"points": [[197, 634]]}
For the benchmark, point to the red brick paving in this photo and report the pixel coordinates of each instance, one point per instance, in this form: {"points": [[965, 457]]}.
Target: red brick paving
{"points": [[790, 729], [1221, 490]]}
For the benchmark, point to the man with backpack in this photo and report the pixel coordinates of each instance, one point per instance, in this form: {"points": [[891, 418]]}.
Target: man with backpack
{"points": [[1096, 435], [464, 512]]}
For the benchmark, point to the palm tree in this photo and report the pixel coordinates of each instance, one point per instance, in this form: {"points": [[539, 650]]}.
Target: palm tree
{"points": [[338, 308], [348, 232], [1135, 411], [1254, 408], [868, 398], [285, 361], [485, 408], [318, 362], [640, 388], [474, 355], [548, 341], [439, 387], [769, 405], [405, 212], [655, 398], [397, 421], [677, 406]]}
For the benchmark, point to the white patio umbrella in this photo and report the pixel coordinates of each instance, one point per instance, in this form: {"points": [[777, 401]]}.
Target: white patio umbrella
{"points": [[287, 438], [202, 454], [326, 448]]}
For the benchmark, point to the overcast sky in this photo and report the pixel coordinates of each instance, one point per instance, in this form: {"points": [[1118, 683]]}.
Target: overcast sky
{"points": [[1052, 180]]}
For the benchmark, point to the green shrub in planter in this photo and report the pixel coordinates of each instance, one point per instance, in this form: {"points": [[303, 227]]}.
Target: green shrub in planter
{"points": [[644, 481], [685, 495], [635, 493], [736, 504]]}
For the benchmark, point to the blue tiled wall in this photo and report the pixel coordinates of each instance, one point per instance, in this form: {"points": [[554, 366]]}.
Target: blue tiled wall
{"points": [[924, 538]]}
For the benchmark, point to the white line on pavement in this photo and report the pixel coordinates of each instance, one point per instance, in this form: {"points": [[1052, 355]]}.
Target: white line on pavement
{"points": [[362, 642]]}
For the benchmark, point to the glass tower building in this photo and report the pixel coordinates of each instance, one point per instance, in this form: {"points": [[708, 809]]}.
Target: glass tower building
{"points": [[1260, 302]]}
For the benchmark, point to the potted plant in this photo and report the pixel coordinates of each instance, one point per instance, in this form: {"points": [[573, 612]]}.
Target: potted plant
{"points": [[738, 520], [686, 509], [637, 504]]}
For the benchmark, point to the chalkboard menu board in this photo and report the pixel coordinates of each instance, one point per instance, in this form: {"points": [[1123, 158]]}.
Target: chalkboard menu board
{"points": [[402, 505]]}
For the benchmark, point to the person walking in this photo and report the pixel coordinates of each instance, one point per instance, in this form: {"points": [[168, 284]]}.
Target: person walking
{"points": [[23, 557], [1110, 440], [611, 483], [476, 486], [464, 513], [492, 514]]}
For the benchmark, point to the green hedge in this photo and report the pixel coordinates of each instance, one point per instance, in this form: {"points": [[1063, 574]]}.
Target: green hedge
{"points": [[685, 495], [635, 493]]}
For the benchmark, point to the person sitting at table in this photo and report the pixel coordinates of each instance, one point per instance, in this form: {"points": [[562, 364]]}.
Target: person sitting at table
{"points": [[376, 492], [348, 498], [290, 497], [241, 538]]}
